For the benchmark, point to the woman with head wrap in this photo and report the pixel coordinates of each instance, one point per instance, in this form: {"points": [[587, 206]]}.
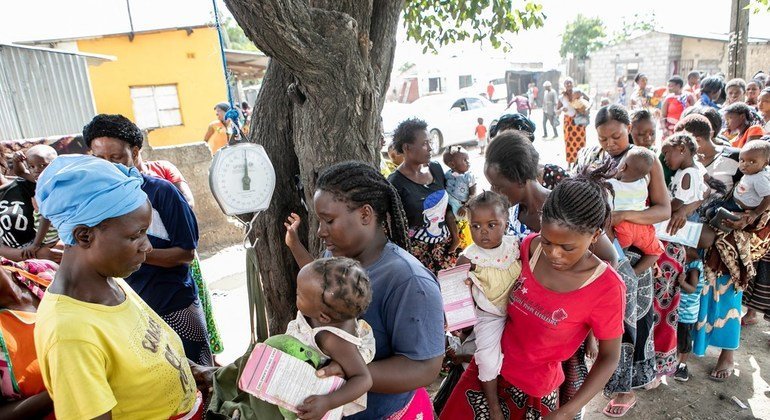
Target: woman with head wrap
{"points": [[103, 352], [548, 174], [164, 281]]}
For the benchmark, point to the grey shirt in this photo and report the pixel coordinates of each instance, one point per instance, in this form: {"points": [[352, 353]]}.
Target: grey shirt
{"points": [[549, 101]]}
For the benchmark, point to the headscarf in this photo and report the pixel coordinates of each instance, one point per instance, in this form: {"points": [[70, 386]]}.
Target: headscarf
{"points": [[513, 121], [84, 190]]}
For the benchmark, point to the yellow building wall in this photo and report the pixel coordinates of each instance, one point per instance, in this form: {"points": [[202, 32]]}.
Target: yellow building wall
{"points": [[192, 62]]}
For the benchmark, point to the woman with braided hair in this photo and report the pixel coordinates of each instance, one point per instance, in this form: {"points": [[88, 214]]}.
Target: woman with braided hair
{"points": [[643, 357], [561, 279], [361, 217]]}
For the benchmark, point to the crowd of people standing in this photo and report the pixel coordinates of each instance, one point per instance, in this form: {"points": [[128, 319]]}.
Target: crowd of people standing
{"points": [[568, 267]]}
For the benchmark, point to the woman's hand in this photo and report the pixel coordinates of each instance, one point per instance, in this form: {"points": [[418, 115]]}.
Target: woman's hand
{"points": [[30, 251], [204, 378], [618, 217], [677, 221], [739, 224], [50, 254]]}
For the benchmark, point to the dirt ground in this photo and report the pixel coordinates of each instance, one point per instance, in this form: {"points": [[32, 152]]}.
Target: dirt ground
{"points": [[701, 398]]}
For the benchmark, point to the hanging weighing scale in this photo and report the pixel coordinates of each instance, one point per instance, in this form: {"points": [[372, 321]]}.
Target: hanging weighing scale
{"points": [[242, 179]]}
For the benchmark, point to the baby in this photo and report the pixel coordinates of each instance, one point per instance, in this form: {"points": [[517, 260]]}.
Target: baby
{"points": [[495, 267], [460, 182], [331, 294], [630, 194], [581, 105], [751, 196], [29, 166]]}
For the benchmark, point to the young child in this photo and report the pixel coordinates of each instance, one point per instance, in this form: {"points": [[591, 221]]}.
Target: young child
{"points": [[735, 90], [630, 194], [643, 128], [394, 160], [689, 183], [691, 283], [461, 186], [29, 166], [753, 87], [495, 267], [331, 294], [581, 106], [751, 197], [763, 106], [674, 104], [481, 135]]}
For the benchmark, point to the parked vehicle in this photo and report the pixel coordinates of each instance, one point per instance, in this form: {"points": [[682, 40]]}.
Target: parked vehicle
{"points": [[451, 119]]}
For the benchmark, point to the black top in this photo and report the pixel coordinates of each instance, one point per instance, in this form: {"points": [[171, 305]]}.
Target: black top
{"points": [[17, 222], [425, 205]]}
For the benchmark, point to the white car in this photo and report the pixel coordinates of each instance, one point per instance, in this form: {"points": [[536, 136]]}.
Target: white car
{"points": [[452, 119]]}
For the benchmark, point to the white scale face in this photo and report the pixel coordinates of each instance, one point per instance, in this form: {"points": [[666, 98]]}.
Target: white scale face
{"points": [[242, 179]]}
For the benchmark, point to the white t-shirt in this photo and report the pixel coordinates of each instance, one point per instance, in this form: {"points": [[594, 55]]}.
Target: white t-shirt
{"points": [[629, 196], [698, 187], [752, 189], [723, 168]]}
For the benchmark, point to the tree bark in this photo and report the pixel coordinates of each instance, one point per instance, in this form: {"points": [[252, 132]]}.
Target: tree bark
{"points": [[335, 59]]}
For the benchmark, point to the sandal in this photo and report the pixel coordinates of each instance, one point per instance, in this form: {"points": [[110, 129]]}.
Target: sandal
{"points": [[625, 407], [714, 375], [748, 322]]}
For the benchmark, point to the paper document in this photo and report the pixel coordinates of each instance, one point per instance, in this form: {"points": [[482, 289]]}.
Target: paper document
{"points": [[687, 235], [459, 309], [278, 378]]}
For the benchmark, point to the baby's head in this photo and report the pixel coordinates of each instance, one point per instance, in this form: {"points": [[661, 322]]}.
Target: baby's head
{"points": [[456, 158], [394, 156], [636, 165], [679, 150], [488, 219], [754, 157], [332, 290], [643, 128], [38, 158], [577, 94]]}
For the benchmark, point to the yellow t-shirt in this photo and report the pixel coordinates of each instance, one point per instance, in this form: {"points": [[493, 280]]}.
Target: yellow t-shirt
{"points": [[217, 140], [124, 359]]}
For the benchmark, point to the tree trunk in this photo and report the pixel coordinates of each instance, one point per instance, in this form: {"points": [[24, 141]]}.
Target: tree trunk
{"points": [[320, 104]]}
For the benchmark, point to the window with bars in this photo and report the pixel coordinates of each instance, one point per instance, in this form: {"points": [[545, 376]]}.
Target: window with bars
{"points": [[156, 106], [686, 66], [466, 81]]}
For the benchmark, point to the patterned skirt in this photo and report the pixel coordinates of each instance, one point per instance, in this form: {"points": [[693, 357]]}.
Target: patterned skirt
{"points": [[719, 318], [205, 298], [190, 324], [665, 305], [435, 257], [574, 138], [757, 293], [468, 401]]}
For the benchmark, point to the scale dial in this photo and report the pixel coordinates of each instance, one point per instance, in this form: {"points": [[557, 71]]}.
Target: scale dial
{"points": [[242, 179]]}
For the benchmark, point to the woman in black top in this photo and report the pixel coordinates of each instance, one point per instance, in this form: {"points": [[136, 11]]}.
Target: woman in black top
{"points": [[421, 185]]}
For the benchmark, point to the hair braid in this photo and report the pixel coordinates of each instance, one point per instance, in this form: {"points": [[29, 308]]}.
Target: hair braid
{"points": [[581, 203], [357, 184], [347, 285]]}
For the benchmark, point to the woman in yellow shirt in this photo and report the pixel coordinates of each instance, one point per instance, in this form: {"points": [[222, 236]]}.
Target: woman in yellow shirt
{"points": [[103, 352], [216, 135]]}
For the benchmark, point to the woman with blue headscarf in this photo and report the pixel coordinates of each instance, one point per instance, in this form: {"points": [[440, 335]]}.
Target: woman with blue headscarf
{"points": [[164, 281], [103, 351]]}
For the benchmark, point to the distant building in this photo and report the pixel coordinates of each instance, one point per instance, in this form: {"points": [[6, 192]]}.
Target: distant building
{"points": [[659, 55], [165, 80]]}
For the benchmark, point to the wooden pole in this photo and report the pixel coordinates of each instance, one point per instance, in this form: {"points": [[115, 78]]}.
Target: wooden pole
{"points": [[737, 49]]}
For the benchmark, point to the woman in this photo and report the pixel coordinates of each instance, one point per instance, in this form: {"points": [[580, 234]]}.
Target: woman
{"points": [[18, 227], [741, 124], [421, 185], [164, 169], [22, 393], [574, 135], [548, 174], [712, 89], [535, 340], [361, 217], [642, 95], [646, 298], [103, 352], [164, 281], [511, 169]]}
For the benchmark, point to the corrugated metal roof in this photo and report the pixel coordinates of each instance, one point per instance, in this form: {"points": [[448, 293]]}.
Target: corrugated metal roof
{"points": [[43, 93]]}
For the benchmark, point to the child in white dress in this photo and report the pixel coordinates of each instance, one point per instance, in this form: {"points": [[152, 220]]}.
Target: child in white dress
{"points": [[331, 294], [495, 268]]}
